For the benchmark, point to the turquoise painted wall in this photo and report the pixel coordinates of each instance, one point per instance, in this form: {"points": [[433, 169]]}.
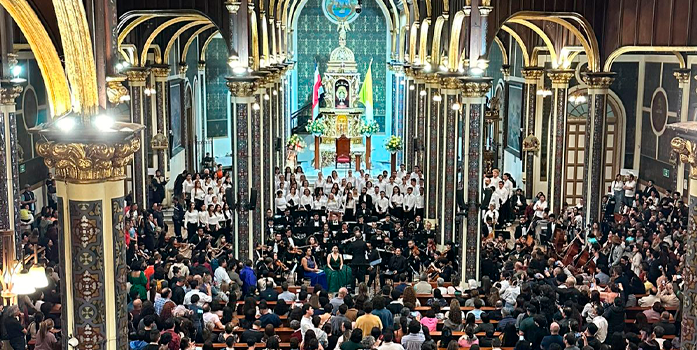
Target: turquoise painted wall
{"points": [[317, 37], [216, 90]]}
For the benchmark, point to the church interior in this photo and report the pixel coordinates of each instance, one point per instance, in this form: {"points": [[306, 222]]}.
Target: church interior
{"points": [[535, 157]]}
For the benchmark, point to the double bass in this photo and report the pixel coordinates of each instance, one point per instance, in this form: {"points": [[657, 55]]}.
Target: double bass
{"points": [[572, 251]]}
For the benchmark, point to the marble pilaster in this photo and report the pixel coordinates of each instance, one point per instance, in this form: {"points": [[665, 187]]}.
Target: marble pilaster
{"points": [[532, 77], [560, 88]]}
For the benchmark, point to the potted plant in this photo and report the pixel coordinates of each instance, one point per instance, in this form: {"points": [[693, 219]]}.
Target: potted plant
{"points": [[393, 144], [369, 128], [295, 143]]}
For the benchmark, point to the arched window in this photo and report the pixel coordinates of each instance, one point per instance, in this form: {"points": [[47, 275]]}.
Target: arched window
{"points": [[577, 116]]}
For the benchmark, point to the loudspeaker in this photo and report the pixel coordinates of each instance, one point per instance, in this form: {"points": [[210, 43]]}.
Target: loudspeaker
{"points": [[252, 199], [415, 142], [278, 144], [460, 198], [230, 198]]}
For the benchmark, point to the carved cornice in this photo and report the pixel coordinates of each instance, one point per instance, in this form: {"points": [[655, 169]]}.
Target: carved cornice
{"points": [[475, 87], [243, 86], [160, 71], [451, 83], [601, 81], [8, 94], [532, 75], [137, 75], [432, 79], [85, 163], [560, 76], [183, 67], [115, 90]]}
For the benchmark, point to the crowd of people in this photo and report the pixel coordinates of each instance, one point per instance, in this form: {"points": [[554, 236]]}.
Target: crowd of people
{"points": [[371, 276]]}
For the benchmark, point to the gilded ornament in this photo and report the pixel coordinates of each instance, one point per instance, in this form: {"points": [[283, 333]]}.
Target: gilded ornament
{"points": [[532, 75], [183, 67], [531, 144], [682, 75], [80, 162], [242, 88], [433, 79], [137, 75], [115, 90], [233, 6], [9, 94], [451, 83], [560, 76], [601, 81], [493, 113], [475, 88], [687, 152], [202, 65], [159, 142], [160, 72]]}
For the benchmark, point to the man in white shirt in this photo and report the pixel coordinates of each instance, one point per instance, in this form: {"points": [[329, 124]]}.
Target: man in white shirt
{"points": [[382, 204], [204, 298], [629, 190], [211, 317], [350, 178], [416, 174], [388, 344], [221, 276], [409, 204], [601, 322], [375, 194], [389, 187], [306, 321], [402, 171]]}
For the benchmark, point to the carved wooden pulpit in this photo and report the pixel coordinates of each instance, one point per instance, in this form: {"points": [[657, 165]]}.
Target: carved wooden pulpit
{"points": [[343, 151]]}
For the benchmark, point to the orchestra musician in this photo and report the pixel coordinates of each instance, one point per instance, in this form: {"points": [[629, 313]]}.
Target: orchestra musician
{"points": [[397, 266], [359, 264], [373, 255]]}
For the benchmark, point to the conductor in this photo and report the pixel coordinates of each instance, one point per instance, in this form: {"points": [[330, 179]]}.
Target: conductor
{"points": [[359, 264]]}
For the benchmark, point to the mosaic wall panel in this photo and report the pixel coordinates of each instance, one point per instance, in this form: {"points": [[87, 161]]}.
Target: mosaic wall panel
{"points": [[138, 161], [689, 312], [242, 148], [86, 225], [216, 90], [450, 168], [317, 37], [595, 160], [269, 145], [4, 210], [433, 157], [474, 172], [15, 170], [421, 129], [414, 130], [161, 97], [62, 284], [120, 272]]}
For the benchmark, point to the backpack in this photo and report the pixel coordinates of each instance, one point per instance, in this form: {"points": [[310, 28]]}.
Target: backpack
{"points": [[137, 345]]}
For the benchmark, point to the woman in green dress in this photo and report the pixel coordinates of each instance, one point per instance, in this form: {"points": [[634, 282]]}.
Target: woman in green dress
{"points": [[338, 274], [138, 280]]}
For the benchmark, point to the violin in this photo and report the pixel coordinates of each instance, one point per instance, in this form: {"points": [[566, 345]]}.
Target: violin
{"points": [[415, 250], [280, 264], [431, 246]]}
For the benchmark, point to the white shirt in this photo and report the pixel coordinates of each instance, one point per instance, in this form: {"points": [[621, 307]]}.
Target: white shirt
{"points": [[198, 194], [539, 208], [221, 275], [391, 346], [281, 203], [212, 220], [409, 201], [382, 204], [617, 185], [602, 324], [419, 203], [203, 218], [631, 184], [305, 200], [205, 298], [191, 217], [187, 186], [294, 197], [396, 201]]}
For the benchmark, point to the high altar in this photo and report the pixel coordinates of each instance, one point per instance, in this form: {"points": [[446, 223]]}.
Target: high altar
{"points": [[342, 115]]}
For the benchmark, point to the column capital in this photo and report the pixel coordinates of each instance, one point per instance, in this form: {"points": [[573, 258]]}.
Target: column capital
{"points": [[532, 75], [484, 11], [8, 94], [137, 75], [432, 79], [560, 77], [600, 81], [160, 71], [242, 86], [682, 75], [687, 153], [475, 87], [202, 65], [506, 71], [88, 162]]}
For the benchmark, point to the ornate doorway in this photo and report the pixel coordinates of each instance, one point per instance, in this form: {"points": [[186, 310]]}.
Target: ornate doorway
{"points": [[576, 144]]}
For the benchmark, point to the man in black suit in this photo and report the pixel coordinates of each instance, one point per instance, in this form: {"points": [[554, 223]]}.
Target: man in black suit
{"points": [[364, 211], [372, 270], [487, 193], [397, 266], [364, 197], [650, 188], [359, 264], [518, 202]]}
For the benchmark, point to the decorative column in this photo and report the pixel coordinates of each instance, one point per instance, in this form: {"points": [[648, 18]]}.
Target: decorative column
{"points": [[242, 98], [473, 104], [683, 76], [532, 77], [433, 144], [560, 86], [421, 104], [684, 148], [90, 168], [136, 83], [449, 175], [160, 141], [398, 125], [484, 11], [9, 176], [594, 170], [410, 107]]}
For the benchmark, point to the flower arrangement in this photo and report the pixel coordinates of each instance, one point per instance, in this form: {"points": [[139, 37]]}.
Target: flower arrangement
{"points": [[369, 128], [393, 144], [295, 143], [316, 127]]}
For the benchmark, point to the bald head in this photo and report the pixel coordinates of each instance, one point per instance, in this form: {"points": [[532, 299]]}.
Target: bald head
{"points": [[137, 304], [554, 328], [343, 292]]}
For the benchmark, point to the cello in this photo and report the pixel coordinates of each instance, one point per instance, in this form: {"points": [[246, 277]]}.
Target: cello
{"points": [[572, 251]]}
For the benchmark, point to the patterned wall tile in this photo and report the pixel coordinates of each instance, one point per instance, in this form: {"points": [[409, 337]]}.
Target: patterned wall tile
{"points": [[120, 272]]}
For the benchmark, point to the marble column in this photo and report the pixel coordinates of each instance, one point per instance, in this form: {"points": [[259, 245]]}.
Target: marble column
{"points": [[421, 103], [683, 76], [408, 107], [91, 202], [532, 77], [473, 106], [136, 83], [397, 112], [242, 91], [161, 73], [560, 86], [433, 144], [9, 176], [594, 170]]}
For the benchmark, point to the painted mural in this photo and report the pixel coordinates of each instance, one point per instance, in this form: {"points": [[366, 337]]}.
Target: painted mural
{"points": [[216, 90]]}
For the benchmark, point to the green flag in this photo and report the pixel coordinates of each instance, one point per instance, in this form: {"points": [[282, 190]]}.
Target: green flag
{"points": [[366, 94]]}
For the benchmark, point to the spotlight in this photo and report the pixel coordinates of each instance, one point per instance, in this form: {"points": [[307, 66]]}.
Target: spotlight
{"points": [[103, 122], [66, 123], [437, 98], [411, 87], [16, 70], [476, 71], [239, 70], [427, 67], [422, 93], [275, 93], [456, 106], [255, 106], [266, 97]]}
